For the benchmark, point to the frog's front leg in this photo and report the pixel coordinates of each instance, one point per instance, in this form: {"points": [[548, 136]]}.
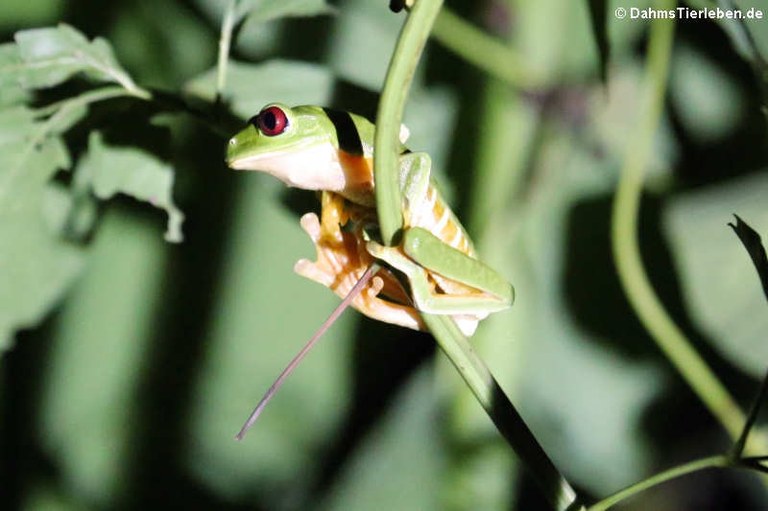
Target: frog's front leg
{"points": [[421, 253], [341, 264], [333, 215]]}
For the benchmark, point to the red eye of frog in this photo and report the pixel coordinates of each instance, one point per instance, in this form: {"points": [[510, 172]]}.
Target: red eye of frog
{"points": [[271, 121]]}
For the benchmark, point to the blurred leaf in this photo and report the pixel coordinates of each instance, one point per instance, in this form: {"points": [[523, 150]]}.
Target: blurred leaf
{"points": [[749, 36], [264, 313], [259, 11], [251, 86], [721, 292], [582, 402], [44, 496], [15, 13], [431, 118], [165, 58], [35, 269], [613, 116], [598, 10], [557, 38], [101, 340], [362, 42], [51, 56], [132, 172], [400, 464], [709, 103], [754, 246], [35, 266]]}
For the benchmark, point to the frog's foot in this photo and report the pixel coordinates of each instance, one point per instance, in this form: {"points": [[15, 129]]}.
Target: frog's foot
{"points": [[340, 265]]}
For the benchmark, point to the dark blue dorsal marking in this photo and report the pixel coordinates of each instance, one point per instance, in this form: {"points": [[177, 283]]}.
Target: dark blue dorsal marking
{"points": [[346, 131]]}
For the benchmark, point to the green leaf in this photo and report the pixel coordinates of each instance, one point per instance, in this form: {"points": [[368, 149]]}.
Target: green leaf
{"points": [[362, 42], [29, 157], [132, 172], [50, 56], [9, 59], [101, 342], [721, 292], [754, 246], [260, 11], [35, 269], [28, 13], [35, 266], [401, 462], [251, 86], [709, 103], [263, 314]]}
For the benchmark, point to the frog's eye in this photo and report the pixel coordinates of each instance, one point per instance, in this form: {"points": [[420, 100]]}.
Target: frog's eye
{"points": [[271, 121]]}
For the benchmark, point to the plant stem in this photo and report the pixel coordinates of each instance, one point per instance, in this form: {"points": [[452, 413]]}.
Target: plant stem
{"points": [[719, 461], [556, 489], [626, 250], [86, 98], [474, 371], [408, 50], [225, 42]]}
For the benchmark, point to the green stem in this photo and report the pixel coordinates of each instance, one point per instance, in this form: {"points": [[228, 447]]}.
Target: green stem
{"points": [[474, 371], [87, 98], [225, 42], [556, 489], [626, 249], [720, 461], [402, 67], [484, 51]]}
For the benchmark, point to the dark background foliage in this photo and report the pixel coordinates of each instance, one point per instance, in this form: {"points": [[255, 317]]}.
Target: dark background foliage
{"points": [[127, 387]]}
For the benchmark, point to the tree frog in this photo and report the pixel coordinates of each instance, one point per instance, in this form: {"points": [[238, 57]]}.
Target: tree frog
{"points": [[433, 268]]}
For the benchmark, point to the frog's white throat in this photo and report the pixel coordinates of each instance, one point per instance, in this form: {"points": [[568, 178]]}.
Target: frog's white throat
{"points": [[315, 167]]}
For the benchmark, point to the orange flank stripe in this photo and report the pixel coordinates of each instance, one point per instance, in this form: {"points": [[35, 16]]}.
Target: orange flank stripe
{"points": [[358, 170]]}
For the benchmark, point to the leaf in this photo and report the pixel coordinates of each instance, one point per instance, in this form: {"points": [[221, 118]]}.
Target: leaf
{"points": [[50, 56], [721, 292], [132, 172], [362, 42], [401, 462], [101, 343], [35, 269], [29, 157], [707, 101], [259, 11], [10, 89], [754, 246], [262, 314], [35, 265], [251, 86]]}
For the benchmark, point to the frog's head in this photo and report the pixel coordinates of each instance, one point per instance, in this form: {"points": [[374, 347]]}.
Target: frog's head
{"points": [[296, 145]]}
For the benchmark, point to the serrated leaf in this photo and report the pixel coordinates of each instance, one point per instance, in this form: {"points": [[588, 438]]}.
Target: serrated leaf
{"points": [[260, 11], [251, 86], [29, 157], [50, 56], [36, 266], [132, 172], [9, 60]]}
